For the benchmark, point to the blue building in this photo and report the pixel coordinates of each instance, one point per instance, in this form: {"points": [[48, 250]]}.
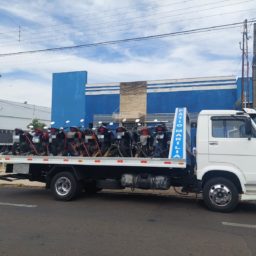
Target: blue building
{"points": [[73, 99]]}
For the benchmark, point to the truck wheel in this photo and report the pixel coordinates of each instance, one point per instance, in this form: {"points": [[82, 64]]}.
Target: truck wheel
{"points": [[65, 187], [220, 195]]}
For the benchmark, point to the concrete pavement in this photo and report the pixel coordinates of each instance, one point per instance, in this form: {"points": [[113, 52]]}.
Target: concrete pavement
{"points": [[32, 223]]}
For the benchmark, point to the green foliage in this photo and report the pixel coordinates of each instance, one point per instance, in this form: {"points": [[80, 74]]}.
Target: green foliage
{"points": [[36, 124]]}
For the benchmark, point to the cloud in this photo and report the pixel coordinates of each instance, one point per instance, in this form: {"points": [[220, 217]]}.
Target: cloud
{"points": [[25, 90], [60, 23]]}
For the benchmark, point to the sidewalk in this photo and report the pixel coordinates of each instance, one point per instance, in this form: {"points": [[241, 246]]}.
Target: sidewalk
{"points": [[18, 182]]}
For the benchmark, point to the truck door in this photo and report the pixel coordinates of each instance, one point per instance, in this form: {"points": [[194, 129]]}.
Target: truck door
{"points": [[229, 145]]}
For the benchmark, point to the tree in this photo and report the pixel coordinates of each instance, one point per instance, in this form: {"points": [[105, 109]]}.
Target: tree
{"points": [[36, 124]]}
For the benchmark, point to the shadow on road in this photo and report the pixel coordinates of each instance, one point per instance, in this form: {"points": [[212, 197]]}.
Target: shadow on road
{"points": [[248, 207], [110, 196], [146, 199], [159, 199]]}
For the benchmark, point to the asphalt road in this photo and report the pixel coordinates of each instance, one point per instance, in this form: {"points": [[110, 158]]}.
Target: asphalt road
{"points": [[32, 223]]}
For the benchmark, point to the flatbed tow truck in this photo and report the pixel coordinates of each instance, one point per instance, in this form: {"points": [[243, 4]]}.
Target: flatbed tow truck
{"points": [[221, 168]]}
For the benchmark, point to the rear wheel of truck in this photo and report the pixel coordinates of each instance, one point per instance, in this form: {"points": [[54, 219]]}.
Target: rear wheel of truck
{"points": [[65, 186], [220, 194]]}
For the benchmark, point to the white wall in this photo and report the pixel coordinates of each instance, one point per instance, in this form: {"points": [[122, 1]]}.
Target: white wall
{"points": [[19, 115]]}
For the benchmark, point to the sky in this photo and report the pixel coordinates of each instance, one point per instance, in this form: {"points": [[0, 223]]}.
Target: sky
{"points": [[39, 24]]}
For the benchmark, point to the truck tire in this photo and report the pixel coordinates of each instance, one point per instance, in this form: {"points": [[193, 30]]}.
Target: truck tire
{"points": [[65, 186], [220, 194]]}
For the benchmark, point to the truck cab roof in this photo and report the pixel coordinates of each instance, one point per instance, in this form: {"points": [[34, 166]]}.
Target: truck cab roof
{"points": [[221, 112]]}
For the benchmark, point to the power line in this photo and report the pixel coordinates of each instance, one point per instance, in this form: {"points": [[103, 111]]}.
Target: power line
{"points": [[139, 19], [53, 58], [116, 10], [145, 8], [37, 39], [177, 33], [105, 24], [153, 14], [137, 27]]}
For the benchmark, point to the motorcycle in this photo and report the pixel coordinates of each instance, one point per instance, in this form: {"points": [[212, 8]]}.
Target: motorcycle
{"points": [[22, 143], [5, 150], [122, 145], [161, 139], [74, 138], [143, 143], [105, 138], [57, 141], [90, 144], [40, 141]]}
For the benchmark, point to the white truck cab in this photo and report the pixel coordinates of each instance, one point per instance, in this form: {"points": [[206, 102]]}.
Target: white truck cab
{"points": [[226, 157]]}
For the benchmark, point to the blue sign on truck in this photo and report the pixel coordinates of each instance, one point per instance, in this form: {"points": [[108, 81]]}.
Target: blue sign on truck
{"points": [[178, 135]]}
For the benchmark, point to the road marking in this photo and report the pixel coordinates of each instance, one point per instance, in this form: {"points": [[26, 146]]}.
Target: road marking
{"points": [[239, 225], [19, 205]]}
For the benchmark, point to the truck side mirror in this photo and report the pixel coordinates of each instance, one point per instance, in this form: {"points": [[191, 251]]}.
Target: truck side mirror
{"points": [[248, 127]]}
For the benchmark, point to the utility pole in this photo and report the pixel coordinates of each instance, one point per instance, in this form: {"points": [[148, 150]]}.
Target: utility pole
{"points": [[245, 88], [247, 67], [254, 66], [242, 82]]}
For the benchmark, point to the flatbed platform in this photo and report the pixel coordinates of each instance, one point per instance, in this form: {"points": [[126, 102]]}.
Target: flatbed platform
{"points": [[95, 161]]}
